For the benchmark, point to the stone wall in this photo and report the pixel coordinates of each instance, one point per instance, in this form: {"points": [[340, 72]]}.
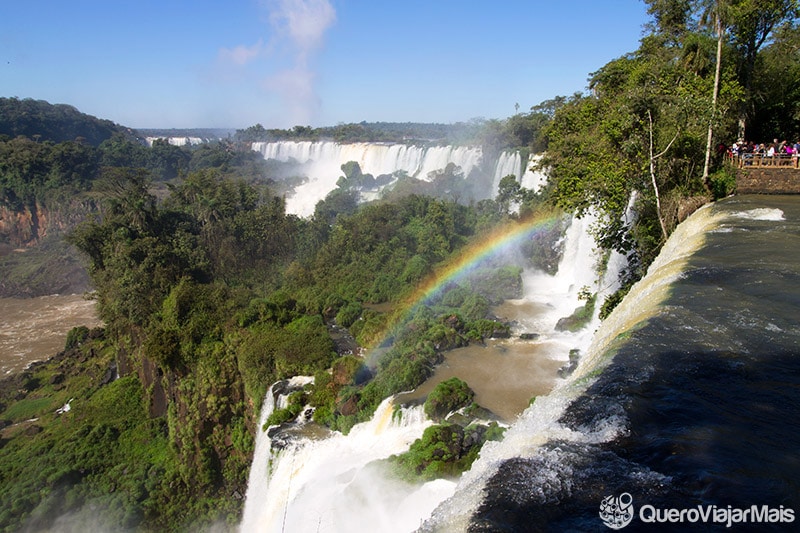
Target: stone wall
{"points": [[768, 181]]}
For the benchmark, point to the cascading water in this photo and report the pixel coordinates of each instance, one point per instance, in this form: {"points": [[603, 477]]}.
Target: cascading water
{"points": [[510, 163], [333, 484], [177, 141], [259, 469], [321, 163], [682, 401]]}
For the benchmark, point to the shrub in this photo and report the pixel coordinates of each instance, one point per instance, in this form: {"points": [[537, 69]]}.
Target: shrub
{"points": [[448, 396], [723, 183], [75, 337]]}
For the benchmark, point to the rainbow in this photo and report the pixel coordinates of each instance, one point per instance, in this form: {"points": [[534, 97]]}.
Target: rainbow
{"points": [[503, 239]]}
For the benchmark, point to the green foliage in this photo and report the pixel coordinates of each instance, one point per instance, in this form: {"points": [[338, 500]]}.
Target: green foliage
{"points": [[105, 452], [40, 120], [613, 300], [295, 404], [348, 314], [497, 284], [581, 316], [443, 451], [723, 182], [448, 396], [211, 292], [75, 337], [47, 173]]}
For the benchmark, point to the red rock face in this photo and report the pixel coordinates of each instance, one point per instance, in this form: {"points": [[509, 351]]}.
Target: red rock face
{"points": [[26, 227]]}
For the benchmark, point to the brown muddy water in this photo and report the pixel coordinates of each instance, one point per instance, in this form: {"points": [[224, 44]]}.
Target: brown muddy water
{"points": [[33, 329], [505, 374]]}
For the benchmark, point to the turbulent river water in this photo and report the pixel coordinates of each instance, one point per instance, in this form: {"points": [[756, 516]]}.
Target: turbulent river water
{"points": [[32, 329]]}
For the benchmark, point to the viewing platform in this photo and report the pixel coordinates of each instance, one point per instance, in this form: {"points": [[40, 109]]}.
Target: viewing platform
{"points": [[762, 174]]}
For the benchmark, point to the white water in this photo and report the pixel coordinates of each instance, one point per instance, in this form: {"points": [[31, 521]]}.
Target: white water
{"points": [[177, 141], [329, 484], [511, 163], [259, 469], [322, 163], [558, 294]]}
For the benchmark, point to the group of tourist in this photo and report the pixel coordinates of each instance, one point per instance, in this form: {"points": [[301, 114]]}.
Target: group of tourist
{"points": [[772, 149]]}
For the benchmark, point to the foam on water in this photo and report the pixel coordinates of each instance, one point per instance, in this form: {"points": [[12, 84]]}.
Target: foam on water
{"points": [[761, 213]]}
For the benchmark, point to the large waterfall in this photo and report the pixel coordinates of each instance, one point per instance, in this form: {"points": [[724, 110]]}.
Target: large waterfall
{"points": [[320, 162]]}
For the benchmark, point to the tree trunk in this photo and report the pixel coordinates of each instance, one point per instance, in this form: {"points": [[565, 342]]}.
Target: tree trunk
{"points": [[653, 158], [713, 102]]}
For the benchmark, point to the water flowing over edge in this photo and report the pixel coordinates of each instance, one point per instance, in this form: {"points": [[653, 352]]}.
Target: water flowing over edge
{"points": [[321, 162], [540, 424]]}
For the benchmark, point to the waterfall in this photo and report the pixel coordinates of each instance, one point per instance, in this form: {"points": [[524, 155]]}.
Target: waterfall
{"points": [[533, 179], [259, 469], [334, 484], [542, 423], [510, 163], [321, 163], [177, 141]]}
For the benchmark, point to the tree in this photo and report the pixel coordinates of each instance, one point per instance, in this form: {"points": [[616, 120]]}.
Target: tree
{"points": [[508, 191], [718, 11]]}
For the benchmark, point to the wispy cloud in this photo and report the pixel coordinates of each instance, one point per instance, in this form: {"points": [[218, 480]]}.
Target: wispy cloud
{"points": [[283, 61], [241, 55], [301, 25], [303, 22]]}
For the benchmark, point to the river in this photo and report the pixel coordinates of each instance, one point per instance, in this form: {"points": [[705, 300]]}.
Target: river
{"points": [[33, 329]]}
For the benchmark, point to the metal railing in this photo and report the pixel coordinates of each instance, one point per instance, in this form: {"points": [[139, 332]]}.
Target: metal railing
{"points": [[763, 161]]}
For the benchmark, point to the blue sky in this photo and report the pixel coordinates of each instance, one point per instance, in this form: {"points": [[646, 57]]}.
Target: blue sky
{"points": [[235, 63]]}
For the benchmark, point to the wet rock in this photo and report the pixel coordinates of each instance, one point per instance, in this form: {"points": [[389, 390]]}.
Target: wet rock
{"points": [[569, 368], [349, 406], [529, 336], [110, 374]]}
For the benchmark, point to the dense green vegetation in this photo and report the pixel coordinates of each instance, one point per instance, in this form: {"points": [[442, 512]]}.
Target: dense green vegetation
{"points": [[443, 451], [449, 447], [446, 397], [42, 121]]}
